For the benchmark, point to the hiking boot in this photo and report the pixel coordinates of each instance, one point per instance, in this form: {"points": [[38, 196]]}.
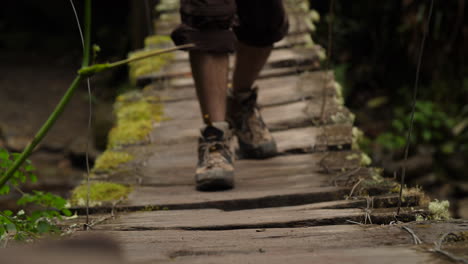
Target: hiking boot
{"points": [[215, 169], [255, 140]]}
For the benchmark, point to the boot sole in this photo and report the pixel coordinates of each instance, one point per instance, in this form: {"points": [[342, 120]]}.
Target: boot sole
{"points": [[215, 180], [263, 151]]}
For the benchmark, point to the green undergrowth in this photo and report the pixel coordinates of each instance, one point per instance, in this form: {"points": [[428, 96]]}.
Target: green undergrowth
{"points": [[99, 193], [110, 160], [40, 211], [152, 64]]}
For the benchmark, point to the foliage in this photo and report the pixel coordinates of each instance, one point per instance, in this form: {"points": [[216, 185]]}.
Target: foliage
{"points": [[431, 126], [20, 176], [29, 223]]}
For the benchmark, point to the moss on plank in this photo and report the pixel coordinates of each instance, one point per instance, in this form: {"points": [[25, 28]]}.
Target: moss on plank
{"points": [[128, 133], [134, 120], [99, 193], [157, 41], [110, 160], [151, 64], [137, 111], [439, 210]]}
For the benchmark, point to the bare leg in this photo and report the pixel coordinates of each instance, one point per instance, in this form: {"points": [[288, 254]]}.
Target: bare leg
{"points": [[210, 73], [249, 62]]}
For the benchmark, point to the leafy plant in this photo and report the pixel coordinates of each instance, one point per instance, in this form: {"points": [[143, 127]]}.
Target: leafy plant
{"points": [[20, 176], [29, 224], [431, 126]]}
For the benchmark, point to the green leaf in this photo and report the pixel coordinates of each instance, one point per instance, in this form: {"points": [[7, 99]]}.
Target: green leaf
{"points": [[66, 212], [33, 178], [10, 227], [43, 227], [427, 135], [29, 168], [5, 190], [8, 213], [4, 155]]}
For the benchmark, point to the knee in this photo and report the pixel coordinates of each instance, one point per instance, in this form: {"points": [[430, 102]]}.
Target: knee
{"points": [[206, 23]]}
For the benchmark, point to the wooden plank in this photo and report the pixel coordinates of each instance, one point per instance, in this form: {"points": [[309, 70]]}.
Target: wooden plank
{"points": [[329, 244], [86, 248], [307, 58], [160, 168], [277, 59], [370, 255], [276, 90], [276, 117], [309, 139], [281, 217], [240, 198], [185, 80], [305, 138], [273, 91]]}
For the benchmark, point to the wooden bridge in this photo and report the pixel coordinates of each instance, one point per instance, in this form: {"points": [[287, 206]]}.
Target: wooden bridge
{"points": [[316, 202]]}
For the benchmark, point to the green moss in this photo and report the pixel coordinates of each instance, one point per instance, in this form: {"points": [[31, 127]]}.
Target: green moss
{"points": [[139, 110], [314, 16], [167, 5], [157, 41], [339, 99], [376, 180], [130, 96], [127, 133], [134, 119], [151, 64], [99, 192], [342, 117], [110, 160], [357, 138], [364, 159], [439, 210]]}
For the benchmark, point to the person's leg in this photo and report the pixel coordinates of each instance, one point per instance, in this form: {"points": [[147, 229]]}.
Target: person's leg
{"points": [[249, 62], [210, 73], [261, 23], [207, 24]]}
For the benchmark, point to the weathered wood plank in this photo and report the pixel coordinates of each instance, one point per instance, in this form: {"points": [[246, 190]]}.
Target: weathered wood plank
{"points": [[212, 219], [185, 80], [306, 58], [240, 198], [307, 139], [278, 117], [276, 90], [330, 244], [370, 255], [273, 91], [161, 168]]}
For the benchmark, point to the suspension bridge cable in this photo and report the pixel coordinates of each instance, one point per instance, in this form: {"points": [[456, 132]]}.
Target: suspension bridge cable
{"points": [[413, 107]]}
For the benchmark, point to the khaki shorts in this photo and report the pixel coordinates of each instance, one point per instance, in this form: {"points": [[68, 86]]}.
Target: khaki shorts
{"points": [[214, 25]]}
